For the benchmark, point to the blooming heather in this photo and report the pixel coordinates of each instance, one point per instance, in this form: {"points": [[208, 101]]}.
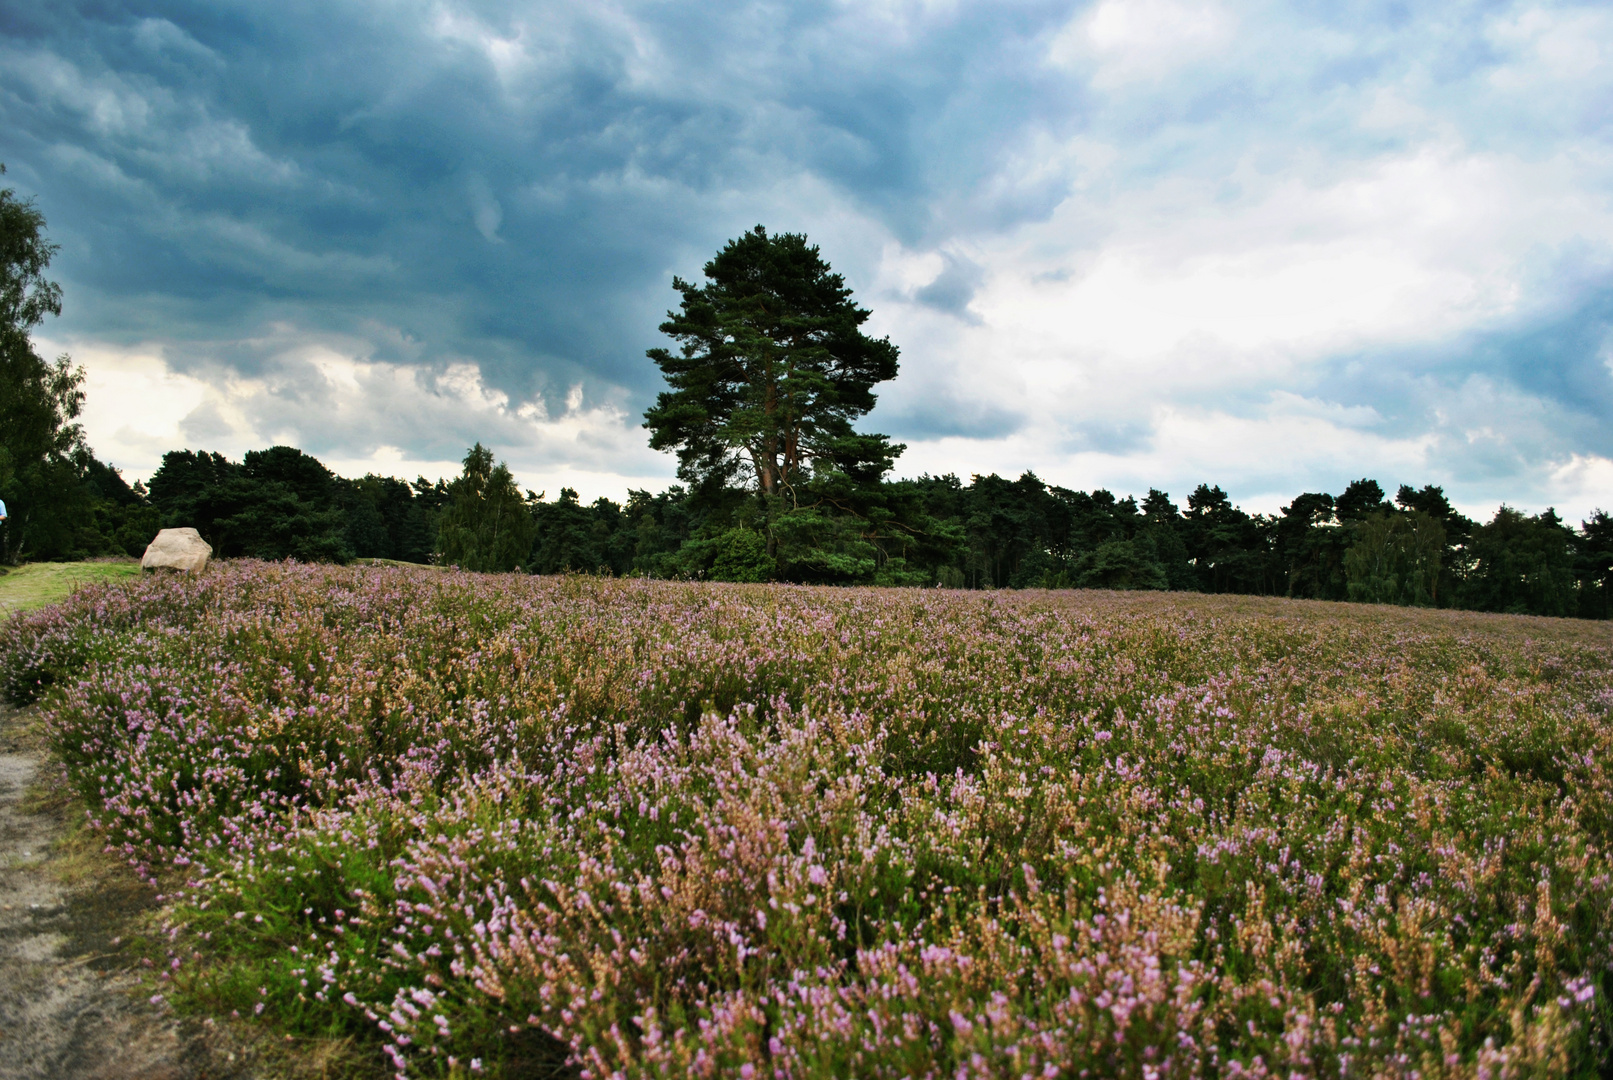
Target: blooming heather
{"points": [[664, 829]]}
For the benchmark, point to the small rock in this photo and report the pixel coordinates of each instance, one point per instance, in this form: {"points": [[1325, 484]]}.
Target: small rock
{"points": [[177, 549]]}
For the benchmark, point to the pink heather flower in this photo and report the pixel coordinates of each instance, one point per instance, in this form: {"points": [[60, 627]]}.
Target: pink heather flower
{"points": [[241, 680]]}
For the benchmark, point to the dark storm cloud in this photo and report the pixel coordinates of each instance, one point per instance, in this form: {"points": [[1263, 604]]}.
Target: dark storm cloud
{"points": [[953, 287], [507, 183]]}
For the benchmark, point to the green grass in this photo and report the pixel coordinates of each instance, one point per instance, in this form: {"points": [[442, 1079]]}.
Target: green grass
{"points": [[34, 585]]}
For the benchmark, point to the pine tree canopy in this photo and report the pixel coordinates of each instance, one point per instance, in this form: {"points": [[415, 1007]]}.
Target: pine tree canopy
{"points": [[772, 370]]}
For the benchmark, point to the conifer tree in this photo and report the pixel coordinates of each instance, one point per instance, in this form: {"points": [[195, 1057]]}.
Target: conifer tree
{"points": [[772, 370]]}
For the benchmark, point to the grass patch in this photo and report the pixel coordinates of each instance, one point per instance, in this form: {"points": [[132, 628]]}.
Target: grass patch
{"points": [[36, 585]]}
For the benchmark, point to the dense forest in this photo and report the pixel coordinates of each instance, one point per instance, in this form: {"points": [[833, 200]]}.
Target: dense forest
{"points": [[990, 532], [771, 371]]}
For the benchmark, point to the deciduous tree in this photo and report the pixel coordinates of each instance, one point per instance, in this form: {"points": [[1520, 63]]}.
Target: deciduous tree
{"points": [[1396, 559], [42, 450], [486, 525]]}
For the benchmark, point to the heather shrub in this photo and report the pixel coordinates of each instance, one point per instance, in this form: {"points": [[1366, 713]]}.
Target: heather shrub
{"points": [[660, 829]]}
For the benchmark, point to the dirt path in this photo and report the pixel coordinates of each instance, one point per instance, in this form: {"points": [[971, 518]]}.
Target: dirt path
{"points": [[69, 1002]]}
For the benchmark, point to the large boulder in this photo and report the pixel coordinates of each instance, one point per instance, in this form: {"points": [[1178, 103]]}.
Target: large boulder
{"points": [[177, 549]]}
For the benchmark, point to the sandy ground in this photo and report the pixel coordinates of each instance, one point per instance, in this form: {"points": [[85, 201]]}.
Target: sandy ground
{"points": [[71, 1006], [73, 1003]]}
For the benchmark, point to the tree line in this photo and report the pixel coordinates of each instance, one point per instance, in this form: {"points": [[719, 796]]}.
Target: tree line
{"points": [[991, 532], [770, 372]]}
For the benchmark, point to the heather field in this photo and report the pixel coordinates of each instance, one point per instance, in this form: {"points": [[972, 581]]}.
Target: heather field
{"points": [[645, 829]]}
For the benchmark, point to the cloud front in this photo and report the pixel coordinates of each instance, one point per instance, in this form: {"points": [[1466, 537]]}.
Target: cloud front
{"points": [[1133, 244]]}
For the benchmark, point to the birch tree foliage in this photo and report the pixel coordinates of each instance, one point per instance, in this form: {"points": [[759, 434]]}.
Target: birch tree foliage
{"points": [[487, 525]]}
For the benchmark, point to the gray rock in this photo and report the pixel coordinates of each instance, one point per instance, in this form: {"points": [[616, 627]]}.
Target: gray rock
{"points": [[177, 549]]}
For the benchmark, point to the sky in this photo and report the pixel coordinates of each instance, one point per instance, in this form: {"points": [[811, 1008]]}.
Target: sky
{"points": [[1125, 244]]}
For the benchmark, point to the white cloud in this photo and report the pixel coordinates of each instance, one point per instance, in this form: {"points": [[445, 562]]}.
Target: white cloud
{"points": [[134, 404], [1261, 454], [356, 415], [1128, 41], [1178, 337], [486, 211], [1550, 46], [1580, 485], [1407, 249]]}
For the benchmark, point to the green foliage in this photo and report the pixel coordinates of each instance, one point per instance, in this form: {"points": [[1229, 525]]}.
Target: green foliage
{"points": [[1361, 499], [1522, 564], [283, 503], [277, 503], [286, 507], [387, 518], [1594, 567], [1396, 559], [26, 295], [655, 528], [772, 369], [486, 525], [189, 490], [1121, 564], [125, 521], [572, 538], [1225, 544], [1456, 559], [42, 451], [989, 533], [741, 555], [1310, 545], [817, 545], [1000, 533]]}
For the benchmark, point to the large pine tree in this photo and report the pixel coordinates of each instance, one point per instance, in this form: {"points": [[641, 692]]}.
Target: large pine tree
{"points": [[772, 370]]}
